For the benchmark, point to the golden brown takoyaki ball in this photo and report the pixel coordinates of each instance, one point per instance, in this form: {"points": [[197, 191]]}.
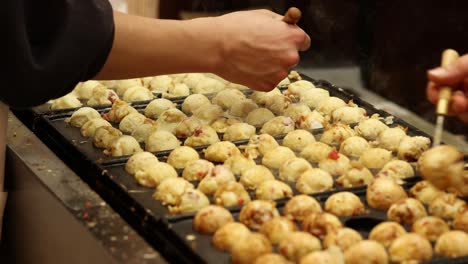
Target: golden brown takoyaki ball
{"points": [[452, 244], [383, 192], [277, 228], [248, 250], [430, 227], [342, 238], [229, 234], [410, 247], [406, 211], [255, 213], [386, 232], [211, 218], [296, 245], [344, 204], [366, 252], [320, 224]]}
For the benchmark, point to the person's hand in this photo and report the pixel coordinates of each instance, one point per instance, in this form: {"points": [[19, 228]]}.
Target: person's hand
{"points": [[456, 76], [258, 48]]}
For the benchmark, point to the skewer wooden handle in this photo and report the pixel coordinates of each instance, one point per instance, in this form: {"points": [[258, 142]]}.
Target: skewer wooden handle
{"points": [[448, 57], [292, 16]]}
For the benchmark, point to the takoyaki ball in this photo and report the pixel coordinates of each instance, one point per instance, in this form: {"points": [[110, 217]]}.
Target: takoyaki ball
{"points": [[461, 221], [84, 90], [344, 204], [102, 96], [354, 146], [321, 224], [397, 169], [209, 85], [430, 227], [89, 128], [442, 166], [156, 107], [239, 131], [331, 256], [130, 122], [390, 139], [383, 192], [406, 211], [204, 135], [335, 163], [411, 148], [182, 155], [297, 89], [142, 132], [296, 245], [298, 139], [137, 93], [271, 258], [221, 151], [278, 125], [221, 124], [263, 143], [293, 168], [146, 81], [313, 97], [277, 103], [277, 228], [274, 158], [253, 177], [313, 181], [410, 248], [447, 206], [177, 90], [366, 252], [187, 127], [178, 77], [218, 175], [82, 115], [191, 201], [229, 234], [311, 120], [258, 117], [160, 83], [452, 244], [231, 194], [170, 119], [357, 175], [161, 140], [66, 101], [208, 113], [226, 98], [425, 192], [248, 250], [105, 135], [193, 102], [257, 212], [294, 76], [209, 219], [342, 238], [370, 128], [296, 111], [386, 232], [123, 145], [121, 86], [335, 134], [261, 97], [170, 190], [152, 174], [300, 206], [315, 151], [239, 163], [119, 110], [273, 190], [237, 86], [330, 104], [242, 108], [192, 79], [138, 160], [196, 170], [348, 115], [375, 158]]}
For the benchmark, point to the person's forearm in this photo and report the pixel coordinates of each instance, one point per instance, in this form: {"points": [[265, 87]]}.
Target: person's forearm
{"points": [[148, 47]]}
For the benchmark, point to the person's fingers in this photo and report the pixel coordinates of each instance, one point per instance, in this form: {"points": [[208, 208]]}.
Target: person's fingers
{"points": [[268, 13], [305, 45], [432, 92], [458, 103], [453, 74]]}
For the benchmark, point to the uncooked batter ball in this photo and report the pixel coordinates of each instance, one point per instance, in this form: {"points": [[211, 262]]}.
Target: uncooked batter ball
{"points": [[330, 104], [257, 212], [311, 121], [348, 115], [208, 113], [208, 85], [253, 177], [357, 175], [219, 175], [64, 102], [119, 110], [105, 135], [354, 146], [261, 97], [221, 151], [397, 169], [342, 238], [274, 158], [273, 190], [170, 119], [296, 111], [82, 115], [161, 140], [386, 232], [300, 206], [297, 89], [156, 107], [461, 221], [390, 139], [192, 79], [447, 205], [298, 244], [89, 128], [170, 190], [239, 131], [258, 117], [410, 248], [298, 139], [231, 194], [177, 90], [278, 125], [84, 90], [226, 98], [335, 134], [221, 124], [406, 211], [139, 160], [124, 145], [239, 163], [182, 155], [366, 251], [315, 152], [344, 204], [121, 86], [430, 227], [335, 163], [425, 192], [277, 228], [160, 83], [313, 97], [209, 219], [370, 128], [130, 122], [271, 258], [277, 103], [142, 132], [293, 168], [383, 192], [196, 170], [191, 201], [204, 135], [320, 224], [411, 148], [193, 102], [452, 244], [248, 250], [152, 174], [313, 181], [229, 234], [137, 93], [242, 108], [375, 158]]}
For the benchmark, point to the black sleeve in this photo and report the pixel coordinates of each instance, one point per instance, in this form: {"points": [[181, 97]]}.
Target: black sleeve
{"points": [[52, 45]]}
